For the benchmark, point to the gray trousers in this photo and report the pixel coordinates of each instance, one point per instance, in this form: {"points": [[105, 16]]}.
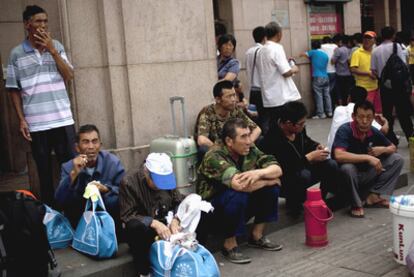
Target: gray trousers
{"points": [[369, 181]]}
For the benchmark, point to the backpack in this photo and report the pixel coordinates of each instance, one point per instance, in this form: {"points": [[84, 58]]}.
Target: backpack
{"points": [[24, 248], [396, 74]]}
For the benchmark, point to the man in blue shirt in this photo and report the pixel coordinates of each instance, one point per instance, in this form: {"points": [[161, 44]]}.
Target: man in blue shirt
{"points": [[92, 164], [320, 80], [367, 158]]}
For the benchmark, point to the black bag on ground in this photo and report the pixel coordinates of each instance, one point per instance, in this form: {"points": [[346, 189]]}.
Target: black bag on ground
{"points": [[396, 75], [24, 248]]}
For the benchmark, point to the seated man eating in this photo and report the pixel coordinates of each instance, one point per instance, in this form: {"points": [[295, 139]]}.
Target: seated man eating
{"points": [[304, 161]]}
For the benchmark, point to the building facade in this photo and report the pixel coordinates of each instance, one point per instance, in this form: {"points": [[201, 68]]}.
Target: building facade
{"points": [[130, 56]]}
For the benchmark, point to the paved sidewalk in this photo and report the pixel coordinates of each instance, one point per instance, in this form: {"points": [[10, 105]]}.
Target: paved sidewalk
{"points": [[357, 247]]}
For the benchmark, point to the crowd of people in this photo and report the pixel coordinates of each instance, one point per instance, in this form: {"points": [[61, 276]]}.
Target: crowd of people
{"points": [[246, 159]]}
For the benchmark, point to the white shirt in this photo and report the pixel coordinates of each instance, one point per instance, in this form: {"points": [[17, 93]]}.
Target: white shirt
{"points": [[343, 114], [253, 82], [271, 65], [329, 49]]}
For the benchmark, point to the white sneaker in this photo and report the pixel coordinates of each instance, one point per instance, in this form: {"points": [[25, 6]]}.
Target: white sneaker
{"points": [[322, 116], [315, 117]]}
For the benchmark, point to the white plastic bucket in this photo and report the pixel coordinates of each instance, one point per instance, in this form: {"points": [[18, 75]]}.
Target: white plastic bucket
{"points": [[403, 230]]}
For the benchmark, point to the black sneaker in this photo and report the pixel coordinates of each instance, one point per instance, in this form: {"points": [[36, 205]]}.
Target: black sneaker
{"points": [[235, 256], [265, 244]]}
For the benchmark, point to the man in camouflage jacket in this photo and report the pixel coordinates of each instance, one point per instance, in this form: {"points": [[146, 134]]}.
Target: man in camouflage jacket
{"points": [[241, 182]]}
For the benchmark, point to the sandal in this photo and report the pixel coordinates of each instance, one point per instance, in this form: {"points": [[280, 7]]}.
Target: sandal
{"points": [[381, 203], [357, 212]]}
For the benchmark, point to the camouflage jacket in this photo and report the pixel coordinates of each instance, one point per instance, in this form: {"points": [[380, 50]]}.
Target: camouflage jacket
{"points": [[218, 168], [210, 125]]}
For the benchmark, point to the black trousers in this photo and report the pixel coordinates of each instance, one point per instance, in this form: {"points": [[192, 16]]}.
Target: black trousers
{"points": [[62, 141], [412, 72], [139, 238], [256, 99], [343, 87], [294, 185], [399, 99]]}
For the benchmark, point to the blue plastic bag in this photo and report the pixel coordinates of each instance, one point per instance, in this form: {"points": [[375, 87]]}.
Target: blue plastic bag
{"points": [[174, 260], [59, 231], [95, 233]]}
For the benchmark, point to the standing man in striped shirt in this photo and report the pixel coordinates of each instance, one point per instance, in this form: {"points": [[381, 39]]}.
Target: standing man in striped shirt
{"points": [[37, 71]]}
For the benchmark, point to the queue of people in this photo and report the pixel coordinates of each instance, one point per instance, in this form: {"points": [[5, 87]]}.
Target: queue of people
{"points": [[241, 180]]}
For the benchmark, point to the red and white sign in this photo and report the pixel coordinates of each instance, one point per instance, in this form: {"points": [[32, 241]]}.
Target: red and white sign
{"points": [[325, 23]]}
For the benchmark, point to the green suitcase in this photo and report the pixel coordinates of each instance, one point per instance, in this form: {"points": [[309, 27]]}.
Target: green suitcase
{"points": [[182, 150]]}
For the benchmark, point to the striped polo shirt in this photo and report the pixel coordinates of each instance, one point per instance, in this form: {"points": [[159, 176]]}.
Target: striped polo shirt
{"points": [[45, 101]]}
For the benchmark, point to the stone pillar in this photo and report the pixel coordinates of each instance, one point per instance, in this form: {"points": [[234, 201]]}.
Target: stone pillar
{"points": [[352, 17], [387, 12], [130, 56]]}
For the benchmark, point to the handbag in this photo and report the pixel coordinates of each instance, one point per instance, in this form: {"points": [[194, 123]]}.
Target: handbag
{"points": [[170, 259], [95, 233], [59, 231]]}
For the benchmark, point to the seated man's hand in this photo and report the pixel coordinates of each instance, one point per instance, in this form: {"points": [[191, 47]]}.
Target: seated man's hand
{"points": [[237, 184], [278, 182], [317, 155], [102, 188], [161, 229], [80, 162], [376, 163], [249, 177], [175, 226], [381, 120], [376, 151]]}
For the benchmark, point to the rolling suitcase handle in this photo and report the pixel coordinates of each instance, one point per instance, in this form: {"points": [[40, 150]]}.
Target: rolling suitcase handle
{"points": [[174, 123]]}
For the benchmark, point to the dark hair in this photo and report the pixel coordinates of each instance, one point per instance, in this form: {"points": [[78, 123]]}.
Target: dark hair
{"points": [[224, 39], [357, 37], [365, 105], [219, 86], [259, 33], [316, 44], [229, 128], [272, 29], [326, 39], [402, 37], [219, 28], [358, 94], [293, 111], [29, 11], [87, 128], [337, 38], [387, 32], [345, 39]]}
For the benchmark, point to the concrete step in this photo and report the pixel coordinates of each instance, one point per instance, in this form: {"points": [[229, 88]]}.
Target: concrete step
{"points": [[72, 263]]}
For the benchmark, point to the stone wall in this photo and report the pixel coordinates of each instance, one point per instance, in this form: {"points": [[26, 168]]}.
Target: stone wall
{"points": [[129, 57]]}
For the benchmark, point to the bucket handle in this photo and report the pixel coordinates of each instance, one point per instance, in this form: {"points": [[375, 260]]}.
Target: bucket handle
{"points": [[320, 219]]}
